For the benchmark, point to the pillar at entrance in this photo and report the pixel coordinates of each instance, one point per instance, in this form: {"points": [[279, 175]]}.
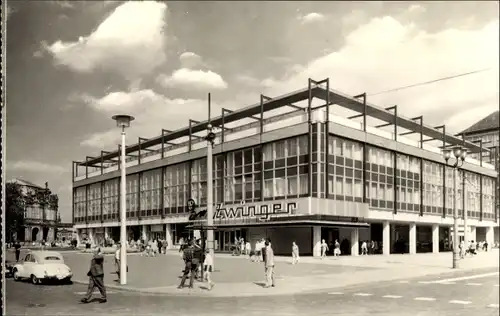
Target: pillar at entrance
{"points": [[144, 234], [355, 242], [386, 238], [413, 238], [472, 235], [168, 235], [78, 240], [106, 233], [316, 241], [489, 236], [435, 238]]}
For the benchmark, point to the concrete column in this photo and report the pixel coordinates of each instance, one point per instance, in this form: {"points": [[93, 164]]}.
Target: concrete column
{"points": [[386, 238], [413, 238], [355, 242], [106, 233], [472, 234], [168, 235], [196, 234], [144, 234], [39, 236], [435, 238], [316, 241], [490, 237], [50, 236]]}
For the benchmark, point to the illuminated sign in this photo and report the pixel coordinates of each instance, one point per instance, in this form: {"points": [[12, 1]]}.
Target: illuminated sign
{"points": [[262, 211]]}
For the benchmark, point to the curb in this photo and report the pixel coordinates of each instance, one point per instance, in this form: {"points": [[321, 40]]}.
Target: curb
{"points": [[269, 293]]}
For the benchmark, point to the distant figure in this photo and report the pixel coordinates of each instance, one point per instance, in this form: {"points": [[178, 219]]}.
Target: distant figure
{"points": [[295, 253], [364, 248], [96, 277], [248, 248], [269, 263], [208, 265], [117, 260], [336, 250], [17, 247], [324, 249]]}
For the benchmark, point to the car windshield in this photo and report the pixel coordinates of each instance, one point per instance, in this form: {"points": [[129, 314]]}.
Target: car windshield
{"points": [[52, 258]]}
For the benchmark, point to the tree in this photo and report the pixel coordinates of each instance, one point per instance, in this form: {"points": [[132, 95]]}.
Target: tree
{"points": [[14, 205]]}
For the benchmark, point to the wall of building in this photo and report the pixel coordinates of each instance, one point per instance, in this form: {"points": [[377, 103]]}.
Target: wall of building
{"points": [[357, 172]]}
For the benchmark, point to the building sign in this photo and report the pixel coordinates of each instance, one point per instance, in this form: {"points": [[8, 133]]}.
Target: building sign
{"points": [[261, 211]]}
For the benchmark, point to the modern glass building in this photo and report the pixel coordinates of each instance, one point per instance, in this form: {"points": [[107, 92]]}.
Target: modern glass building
{"points": [[486, 133], [304, 175]]}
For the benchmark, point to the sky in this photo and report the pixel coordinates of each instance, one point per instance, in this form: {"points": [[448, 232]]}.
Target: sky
{"points": [[72, 65]]}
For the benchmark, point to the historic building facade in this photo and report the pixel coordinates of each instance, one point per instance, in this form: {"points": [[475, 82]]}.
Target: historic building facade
{"points": [[301, 176], [40, 219]]}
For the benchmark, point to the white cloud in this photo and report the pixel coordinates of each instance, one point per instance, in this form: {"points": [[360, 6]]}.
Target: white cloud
{"points": [[268, 83], [130, 41], [384, 54], [35, 166], [152, 112], [415, 8], [190, 60], [193, 79], [312, 17]]}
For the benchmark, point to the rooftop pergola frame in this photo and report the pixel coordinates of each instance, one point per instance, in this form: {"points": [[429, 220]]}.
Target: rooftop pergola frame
{"points": [[315, 89]]}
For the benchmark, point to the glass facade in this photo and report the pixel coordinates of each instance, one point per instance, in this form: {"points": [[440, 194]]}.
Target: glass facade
{"points": [[345, 170], [279, 170], [379, 184], [433, 188], [488, 198], [286, 169], [176, 188], [408, 183]]}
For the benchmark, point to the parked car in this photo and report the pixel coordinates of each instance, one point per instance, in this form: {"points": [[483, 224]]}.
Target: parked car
{"points": [[40, 266]]}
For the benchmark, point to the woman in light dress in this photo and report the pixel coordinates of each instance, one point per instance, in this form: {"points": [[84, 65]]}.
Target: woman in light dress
{"points": [[295, 253], [324, 249], [336, 250]]}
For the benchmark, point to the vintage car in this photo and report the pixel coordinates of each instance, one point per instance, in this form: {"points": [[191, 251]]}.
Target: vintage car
{"points": [[39, 266]]}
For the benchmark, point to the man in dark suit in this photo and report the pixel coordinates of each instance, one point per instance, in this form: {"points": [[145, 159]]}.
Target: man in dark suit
{"points": [[96, 277]]}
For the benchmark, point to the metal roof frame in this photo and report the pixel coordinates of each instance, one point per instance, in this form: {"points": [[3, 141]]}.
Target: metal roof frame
{"points": [[332, 97]]}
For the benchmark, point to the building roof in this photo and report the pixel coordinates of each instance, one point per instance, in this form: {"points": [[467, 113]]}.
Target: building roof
{"points": [[488, 123], [268, 104], [25, 183]]}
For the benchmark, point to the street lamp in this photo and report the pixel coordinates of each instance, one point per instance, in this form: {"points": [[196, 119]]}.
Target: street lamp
{"points": [[123, 121], [459, 153]]}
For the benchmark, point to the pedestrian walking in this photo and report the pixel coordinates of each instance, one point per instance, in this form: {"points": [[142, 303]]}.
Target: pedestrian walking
{"points": [[17, 247], [269, 264], [190, 265], [208, 266], [324, 249], [117, 260], [336, 250], [364, 248], [96, 278], [295, 253]]}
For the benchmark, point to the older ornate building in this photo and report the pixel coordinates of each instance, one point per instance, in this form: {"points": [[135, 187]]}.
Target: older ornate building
{"points": [[40, 212]]}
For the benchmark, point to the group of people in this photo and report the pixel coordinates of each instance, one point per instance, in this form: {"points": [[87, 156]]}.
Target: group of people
{"points": [[472, 248], [325, 248], [194, 261]]}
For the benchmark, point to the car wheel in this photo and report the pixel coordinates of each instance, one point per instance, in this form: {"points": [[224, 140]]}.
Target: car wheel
{"points": [[15, 275], [35, 280]]}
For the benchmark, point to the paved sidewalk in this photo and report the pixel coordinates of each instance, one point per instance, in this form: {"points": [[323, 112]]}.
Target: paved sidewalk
{"points": [[238, 277]]}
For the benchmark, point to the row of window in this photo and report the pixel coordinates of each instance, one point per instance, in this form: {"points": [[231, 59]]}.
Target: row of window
{"points": [[238, 177]]}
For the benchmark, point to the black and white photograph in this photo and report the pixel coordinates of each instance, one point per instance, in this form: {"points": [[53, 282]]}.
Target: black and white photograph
{"points": [[278, 158]]}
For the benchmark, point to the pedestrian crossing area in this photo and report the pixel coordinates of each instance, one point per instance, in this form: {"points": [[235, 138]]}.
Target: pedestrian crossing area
{"points": [[418, 298]]}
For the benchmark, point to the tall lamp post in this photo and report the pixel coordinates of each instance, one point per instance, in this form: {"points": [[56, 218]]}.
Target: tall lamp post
{"points": [[210, 138], [459, 153], [123, 121]]}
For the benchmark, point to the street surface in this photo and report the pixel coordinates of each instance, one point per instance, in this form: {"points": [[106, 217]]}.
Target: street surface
{"points": [[461, 293]]}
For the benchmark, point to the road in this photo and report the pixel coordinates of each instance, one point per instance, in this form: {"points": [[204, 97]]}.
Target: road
{"points": [[461, 293]]}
